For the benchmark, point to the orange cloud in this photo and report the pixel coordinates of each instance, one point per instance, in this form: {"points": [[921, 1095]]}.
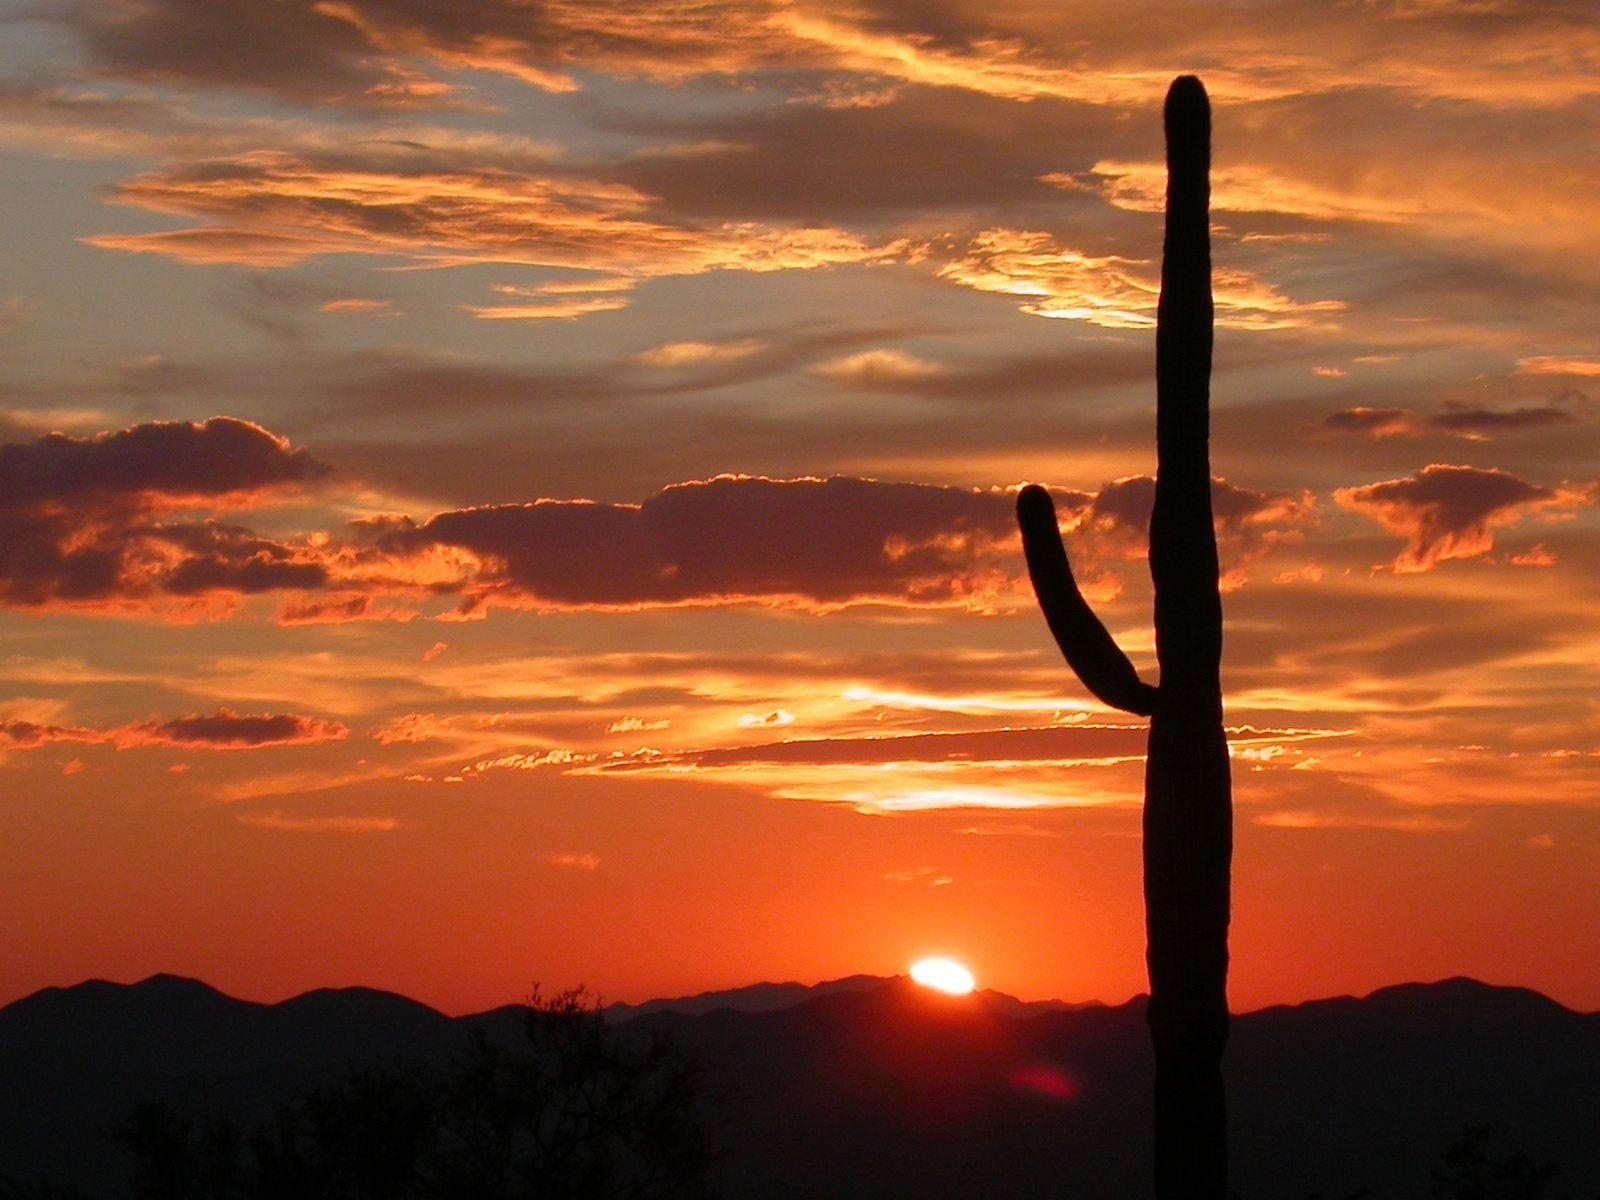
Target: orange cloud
{"points": [[575, 862], [1546, 364], [558, 310], [683, 354], [1058, 766], [1371, 422], [358, 306], [1447, 512], [211, 247], [375, 53], [1142, 187], [878, 368], [1057, 745], [766, 720], [637, 725]]}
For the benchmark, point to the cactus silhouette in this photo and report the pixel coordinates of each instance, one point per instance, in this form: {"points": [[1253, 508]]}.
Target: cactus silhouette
{"points": [[1188, 811]]}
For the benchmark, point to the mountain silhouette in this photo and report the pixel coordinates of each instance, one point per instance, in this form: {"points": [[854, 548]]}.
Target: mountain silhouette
{"points": [[876, 1087], [767, 997]]}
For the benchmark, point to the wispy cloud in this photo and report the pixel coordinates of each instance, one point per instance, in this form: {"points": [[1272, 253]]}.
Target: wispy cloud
{"points": [[300, 823], [272, 208]]}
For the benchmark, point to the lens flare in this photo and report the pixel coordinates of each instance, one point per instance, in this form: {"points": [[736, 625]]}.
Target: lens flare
{"points": [[943, 975]]}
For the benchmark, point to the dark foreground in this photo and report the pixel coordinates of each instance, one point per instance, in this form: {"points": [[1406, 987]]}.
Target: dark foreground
{"points": [[878, 1089]]}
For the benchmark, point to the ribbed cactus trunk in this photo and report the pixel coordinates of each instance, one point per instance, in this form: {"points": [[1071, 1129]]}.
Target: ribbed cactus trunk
{"points": [[1188, 808]]}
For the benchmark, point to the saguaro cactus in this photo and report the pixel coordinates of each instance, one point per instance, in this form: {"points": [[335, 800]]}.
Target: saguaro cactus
{"points": [[1188, 809]]}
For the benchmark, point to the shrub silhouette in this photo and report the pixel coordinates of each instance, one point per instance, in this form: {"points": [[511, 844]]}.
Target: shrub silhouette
{"points": [[1188, 818], [1480, 1166], [575, 1109]]}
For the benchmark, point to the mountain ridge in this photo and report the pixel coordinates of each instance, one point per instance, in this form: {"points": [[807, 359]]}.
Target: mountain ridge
{"points": [[755, 997]]}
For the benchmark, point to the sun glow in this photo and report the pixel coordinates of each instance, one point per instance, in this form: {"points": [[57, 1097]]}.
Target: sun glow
{"points": [[943, 975]]}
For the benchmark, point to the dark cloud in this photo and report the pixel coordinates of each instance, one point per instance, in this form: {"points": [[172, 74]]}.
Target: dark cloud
{"points": [[230, 558], [293, 49], [1346, 646], [1457, 419], [815, 543], [809, 543], [162, 464], [933, 150], [221, 730], [80, 517], [995, 381], [28, 735], [383, 382], [325, 610], [1482, 422], [1127, 503], [1116, 522], [1447, 512], [1372, 422], [96, 523], [226, 730]]}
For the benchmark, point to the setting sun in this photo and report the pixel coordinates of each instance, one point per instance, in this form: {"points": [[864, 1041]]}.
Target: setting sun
{"points": [[943, 975]]}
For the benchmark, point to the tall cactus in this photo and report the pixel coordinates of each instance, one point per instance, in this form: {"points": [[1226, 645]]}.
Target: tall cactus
{"points": [[1188, 808]]}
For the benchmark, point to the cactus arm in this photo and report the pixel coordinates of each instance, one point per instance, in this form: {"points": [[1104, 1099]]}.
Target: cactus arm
{"points": [[1088, 647]]}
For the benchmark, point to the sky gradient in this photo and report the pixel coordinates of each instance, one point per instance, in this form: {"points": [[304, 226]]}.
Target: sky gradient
{"points": [[523, 491]]}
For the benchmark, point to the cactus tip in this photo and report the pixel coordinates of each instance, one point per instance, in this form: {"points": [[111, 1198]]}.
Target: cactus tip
{"points": [[1188, 110]]}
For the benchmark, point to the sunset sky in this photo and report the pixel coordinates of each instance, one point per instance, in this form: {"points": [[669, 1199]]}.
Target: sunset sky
{"points": [[522, 490]]}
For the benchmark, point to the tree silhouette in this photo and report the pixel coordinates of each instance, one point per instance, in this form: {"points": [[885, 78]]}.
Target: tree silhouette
{"points": [[1188, 814], [574, 1110]]}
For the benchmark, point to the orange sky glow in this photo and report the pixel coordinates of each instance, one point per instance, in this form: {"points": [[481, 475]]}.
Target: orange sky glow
{"points": [[503, 493]]}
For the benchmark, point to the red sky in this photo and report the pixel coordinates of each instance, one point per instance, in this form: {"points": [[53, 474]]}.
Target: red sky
{"points": [[501, 493]]}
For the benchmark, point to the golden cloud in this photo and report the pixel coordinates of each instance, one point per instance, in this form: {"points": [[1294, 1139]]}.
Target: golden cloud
{"points": [[1118, 293]]}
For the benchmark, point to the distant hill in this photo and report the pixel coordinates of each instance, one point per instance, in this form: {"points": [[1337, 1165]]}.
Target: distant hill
{"points": [[757, 997], [877, 1088], [769, 997]]}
